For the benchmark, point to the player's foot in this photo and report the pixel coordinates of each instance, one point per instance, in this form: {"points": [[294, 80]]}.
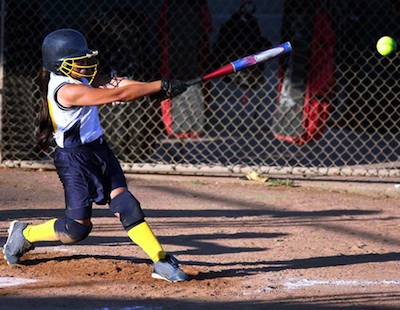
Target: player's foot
{"points": [[168, 269], [16, 244]]}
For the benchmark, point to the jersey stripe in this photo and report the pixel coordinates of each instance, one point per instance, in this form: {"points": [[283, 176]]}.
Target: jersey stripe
{"points": [[52, 116]]}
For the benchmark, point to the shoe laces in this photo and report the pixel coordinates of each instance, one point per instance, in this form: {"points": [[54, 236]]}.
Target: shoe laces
{"points": [[172, 260]]}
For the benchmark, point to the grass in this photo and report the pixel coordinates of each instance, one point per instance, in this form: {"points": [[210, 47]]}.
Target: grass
{"points": [[280, 182]]}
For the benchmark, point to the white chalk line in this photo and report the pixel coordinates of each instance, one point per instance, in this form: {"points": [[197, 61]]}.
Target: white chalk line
{"points": [[294, 284], [12, 281]]}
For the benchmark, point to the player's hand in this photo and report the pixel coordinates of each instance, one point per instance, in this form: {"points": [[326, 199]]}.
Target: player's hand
{"points": [[172, 88]]}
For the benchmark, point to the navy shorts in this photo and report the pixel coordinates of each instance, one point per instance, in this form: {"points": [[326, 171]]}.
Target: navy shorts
{"points": [[88, 173]]}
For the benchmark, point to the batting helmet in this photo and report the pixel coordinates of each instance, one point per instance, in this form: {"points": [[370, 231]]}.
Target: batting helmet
{"points": [[64, 49]]}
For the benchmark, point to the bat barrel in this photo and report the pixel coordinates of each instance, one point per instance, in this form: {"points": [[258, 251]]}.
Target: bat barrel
{"points": [[245, 62], [261, 57]]}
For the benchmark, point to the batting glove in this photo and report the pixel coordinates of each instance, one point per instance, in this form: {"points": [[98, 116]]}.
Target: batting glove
{"points": [[171, 88]]}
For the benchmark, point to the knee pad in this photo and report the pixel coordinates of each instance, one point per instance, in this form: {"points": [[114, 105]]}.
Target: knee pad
{"points": [[70, 231], [128, 208]]}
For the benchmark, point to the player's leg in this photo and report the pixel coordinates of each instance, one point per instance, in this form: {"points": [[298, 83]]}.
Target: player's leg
{"points": [[22, 236], [75, 226], [127, 208], [65, 230], [41, 232]]}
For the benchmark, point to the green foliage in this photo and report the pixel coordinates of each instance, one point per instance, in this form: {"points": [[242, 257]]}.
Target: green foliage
{"points": [[280, 182]]}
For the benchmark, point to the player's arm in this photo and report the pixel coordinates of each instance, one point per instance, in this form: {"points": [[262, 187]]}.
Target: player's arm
{"points": [[84, 95], [102, 81]]}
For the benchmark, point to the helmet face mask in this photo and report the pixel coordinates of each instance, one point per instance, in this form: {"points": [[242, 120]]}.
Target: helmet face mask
{"points": [[65, 52], [82, 66]]}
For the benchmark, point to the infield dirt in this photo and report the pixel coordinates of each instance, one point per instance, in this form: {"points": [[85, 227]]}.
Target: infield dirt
{"points": [[245, 245]]}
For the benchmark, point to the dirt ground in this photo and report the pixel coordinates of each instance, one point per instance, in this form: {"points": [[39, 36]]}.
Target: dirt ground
{"points": [[245, 245]]}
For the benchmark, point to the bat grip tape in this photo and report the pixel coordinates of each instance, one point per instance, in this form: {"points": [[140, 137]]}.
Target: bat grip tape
{"points": [[194, 81]]}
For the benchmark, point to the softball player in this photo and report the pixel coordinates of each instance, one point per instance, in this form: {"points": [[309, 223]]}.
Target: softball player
{"points": [[89, 171]]}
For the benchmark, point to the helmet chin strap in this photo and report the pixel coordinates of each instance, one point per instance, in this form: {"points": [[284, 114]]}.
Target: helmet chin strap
{"points": [[85, 81]]}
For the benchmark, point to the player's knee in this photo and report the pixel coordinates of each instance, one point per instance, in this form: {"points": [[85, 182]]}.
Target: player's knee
{"points": [[128, 208], [70, 231]]}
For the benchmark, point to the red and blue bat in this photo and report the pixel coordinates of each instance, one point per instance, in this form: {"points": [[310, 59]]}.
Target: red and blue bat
{"points": [[245, 62]]}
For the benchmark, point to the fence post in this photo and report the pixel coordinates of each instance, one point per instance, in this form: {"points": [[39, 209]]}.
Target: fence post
{"points": [[2, 24]]}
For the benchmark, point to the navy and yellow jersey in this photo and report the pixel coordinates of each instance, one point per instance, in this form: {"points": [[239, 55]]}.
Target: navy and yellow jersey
{"points": [[72, 126]]}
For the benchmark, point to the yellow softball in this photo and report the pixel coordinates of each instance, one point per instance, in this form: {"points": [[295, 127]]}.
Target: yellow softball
{"points": [[386, 45]]}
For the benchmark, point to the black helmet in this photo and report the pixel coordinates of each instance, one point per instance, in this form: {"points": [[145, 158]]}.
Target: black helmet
{"points": [[61, 48]]}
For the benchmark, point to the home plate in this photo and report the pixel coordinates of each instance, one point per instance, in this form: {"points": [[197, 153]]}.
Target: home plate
{"points": [[11, 281]]}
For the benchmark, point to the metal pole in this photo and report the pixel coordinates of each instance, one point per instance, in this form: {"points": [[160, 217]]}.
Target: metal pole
{"points": [[2, 21]]}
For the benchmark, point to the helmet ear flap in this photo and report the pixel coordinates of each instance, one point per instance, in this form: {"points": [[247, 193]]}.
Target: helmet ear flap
{"points": [[56, 67]]}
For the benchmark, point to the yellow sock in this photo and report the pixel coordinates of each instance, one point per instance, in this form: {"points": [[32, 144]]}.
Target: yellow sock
{"points": [[144, 237], [41, 232]]}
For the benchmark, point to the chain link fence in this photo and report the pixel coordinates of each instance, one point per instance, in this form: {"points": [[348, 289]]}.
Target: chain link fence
{"points": [[331, 107]]}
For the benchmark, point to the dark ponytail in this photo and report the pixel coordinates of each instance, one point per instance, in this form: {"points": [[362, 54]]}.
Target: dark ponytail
{"points": [[45, 132]]}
